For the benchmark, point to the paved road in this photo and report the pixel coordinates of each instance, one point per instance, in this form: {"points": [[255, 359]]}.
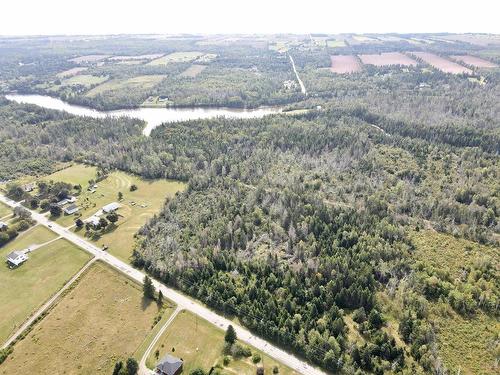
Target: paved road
{"points": [[143, 369], [182, 301]]}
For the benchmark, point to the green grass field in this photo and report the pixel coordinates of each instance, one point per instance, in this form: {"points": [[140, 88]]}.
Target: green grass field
{"points": [[4, 210], [176, 57], [33, 236], [193, 71], [116, 86], [26, 288], [102, 319], [75, 174], [200, 344], [84, 80], [136, 207], [335, 43]]}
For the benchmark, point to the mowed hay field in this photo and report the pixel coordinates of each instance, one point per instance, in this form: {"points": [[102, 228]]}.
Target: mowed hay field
{"points": [[464, 343], [345, 64], [200, 344], [441, 63], [4, 210], [474, 61], [177, 57], [193, 71], [86, 80], [71, 72], [137, 207], [29, 286], [101, 320], [387, 58], [120, 85]]}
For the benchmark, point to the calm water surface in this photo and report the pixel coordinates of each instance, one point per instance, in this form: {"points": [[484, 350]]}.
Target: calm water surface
{"points": [[152, 116]]}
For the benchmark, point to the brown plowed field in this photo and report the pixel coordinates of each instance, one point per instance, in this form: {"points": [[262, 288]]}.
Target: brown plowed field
{"points": [[441, 63], [345, 64], [387, 58], [474, 61]]}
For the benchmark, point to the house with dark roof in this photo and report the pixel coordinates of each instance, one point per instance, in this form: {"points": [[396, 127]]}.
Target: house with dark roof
{"points": [[3, 225], [16, 258], [169, 365]]}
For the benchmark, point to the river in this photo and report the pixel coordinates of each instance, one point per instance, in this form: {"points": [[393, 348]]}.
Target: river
{"points": [[152, 116]]}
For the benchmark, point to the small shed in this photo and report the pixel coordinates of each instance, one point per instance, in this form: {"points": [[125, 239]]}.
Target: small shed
{"points": [[16, 258], [169, 365], [3, 225]]}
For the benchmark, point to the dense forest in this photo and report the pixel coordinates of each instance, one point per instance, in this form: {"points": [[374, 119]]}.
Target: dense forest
{"points": [[302, 225]]}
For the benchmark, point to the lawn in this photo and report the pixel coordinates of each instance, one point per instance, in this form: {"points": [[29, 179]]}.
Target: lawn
{"points": [[177, 57], [121, 85], [101, 320], [136, 208], [200, 344], [76, 174], [4, 210], [26, 288], [33, 236]]}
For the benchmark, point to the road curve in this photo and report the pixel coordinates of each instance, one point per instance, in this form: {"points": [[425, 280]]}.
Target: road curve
{"points": [[182, 301]]}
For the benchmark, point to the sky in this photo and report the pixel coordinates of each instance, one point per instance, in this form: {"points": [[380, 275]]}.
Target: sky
{"points": [[53, 17]]}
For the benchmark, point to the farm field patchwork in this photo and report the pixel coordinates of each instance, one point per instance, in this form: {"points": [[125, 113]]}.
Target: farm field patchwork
{"points": [[136, 57], [345, 64], [88, 58], [176, 57], [387, 58], [441, 63], [474, 61], [102, 319], [35, 281], [201, 345], [86, 80], [116, 86]]}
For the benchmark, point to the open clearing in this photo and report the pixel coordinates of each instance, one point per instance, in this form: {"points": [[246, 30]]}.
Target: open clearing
{"points": [[33, 236], [335, 43], [123, 84], [345, 64], [101, 320], [86, 80], [464, 343], [4, 210], [388, 58], [177, 57], [88, 58], [71, 72], [474, 61], [441, 63], [193, 71], [27, 287], [136, 57], [137, 207], [200, 344]]}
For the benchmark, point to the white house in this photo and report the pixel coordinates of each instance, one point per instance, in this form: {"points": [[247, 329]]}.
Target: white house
{"points": [[3, 225], [71, 209], [92, 220], [16, 258], [111, 207]]}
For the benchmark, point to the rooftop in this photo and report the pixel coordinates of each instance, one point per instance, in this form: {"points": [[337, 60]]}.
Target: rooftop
{"points": [[169, 364]]}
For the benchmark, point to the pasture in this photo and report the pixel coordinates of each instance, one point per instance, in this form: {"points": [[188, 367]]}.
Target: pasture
{"points": [[136, 57], [193, 71], [137, 207], [441, 63], [71, 72], [119, 85], [177, 57], [387, 59], [86, 80], [201, 345], [474, 61], [35, 281], [342, 64], [335, 43], [102, 319], [4, 210]]}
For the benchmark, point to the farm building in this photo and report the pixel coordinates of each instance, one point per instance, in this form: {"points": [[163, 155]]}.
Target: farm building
{"points": [[111, 207], [16, 258], [169, 365], [62, 202], [3, 225], [71, 209]]}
